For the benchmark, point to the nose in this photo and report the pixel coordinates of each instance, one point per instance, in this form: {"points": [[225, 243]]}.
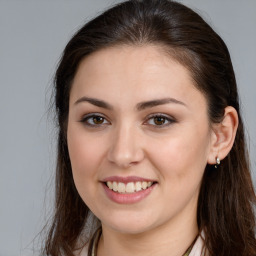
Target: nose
{"points": [[126, 147]]}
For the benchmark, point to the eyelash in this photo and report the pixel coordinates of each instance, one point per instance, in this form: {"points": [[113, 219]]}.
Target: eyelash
{"points": [[86, 119], [167, 120]]}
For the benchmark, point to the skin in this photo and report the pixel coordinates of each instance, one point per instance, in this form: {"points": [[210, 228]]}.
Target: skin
{"points": [[129, 142]]}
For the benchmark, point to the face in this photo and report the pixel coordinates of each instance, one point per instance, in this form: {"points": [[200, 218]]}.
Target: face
{"points": [[138, 137]]}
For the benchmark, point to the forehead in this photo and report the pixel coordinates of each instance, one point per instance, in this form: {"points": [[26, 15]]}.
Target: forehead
{"points": [[143, 59], [135, 73]]}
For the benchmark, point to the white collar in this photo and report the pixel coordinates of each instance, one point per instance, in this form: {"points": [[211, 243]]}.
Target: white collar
{"points": [[198, 248]]}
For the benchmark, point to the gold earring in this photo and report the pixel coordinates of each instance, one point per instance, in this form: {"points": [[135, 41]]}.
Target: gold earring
{"points": [[217, 162]]}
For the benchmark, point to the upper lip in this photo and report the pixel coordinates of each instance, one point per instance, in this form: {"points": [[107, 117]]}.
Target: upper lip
{"points": [[126, 179]]}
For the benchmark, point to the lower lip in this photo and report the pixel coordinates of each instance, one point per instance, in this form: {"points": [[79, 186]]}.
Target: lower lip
{"points": [[129, 198]]}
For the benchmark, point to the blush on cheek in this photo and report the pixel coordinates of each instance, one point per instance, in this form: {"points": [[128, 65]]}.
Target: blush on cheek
{"points": [[82, 160], [180, 158], [85, 155]]}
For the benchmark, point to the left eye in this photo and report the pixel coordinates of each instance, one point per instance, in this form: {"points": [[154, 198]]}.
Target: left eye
{"points": [[94, 120], [159, 120]]}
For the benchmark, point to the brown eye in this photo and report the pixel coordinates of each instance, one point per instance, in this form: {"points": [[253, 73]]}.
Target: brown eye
{"points": [[98, 120], [159, 120], [94, 120]]}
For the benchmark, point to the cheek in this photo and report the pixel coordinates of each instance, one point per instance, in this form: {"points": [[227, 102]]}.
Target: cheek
{"points": [[182, 156], [85, 154], [86, 157]]}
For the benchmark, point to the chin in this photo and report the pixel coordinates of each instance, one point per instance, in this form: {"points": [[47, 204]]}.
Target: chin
{"points": [[130, 224], [130, 229]]}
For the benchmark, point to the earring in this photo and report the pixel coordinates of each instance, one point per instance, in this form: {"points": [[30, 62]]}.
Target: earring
{"points": [[217, 163]]}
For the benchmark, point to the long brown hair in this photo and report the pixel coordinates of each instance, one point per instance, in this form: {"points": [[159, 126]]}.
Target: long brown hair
{"points": [[225, 206]]}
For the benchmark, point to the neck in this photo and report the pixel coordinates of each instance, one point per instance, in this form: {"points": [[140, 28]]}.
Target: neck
{"points": [[171, 240]]}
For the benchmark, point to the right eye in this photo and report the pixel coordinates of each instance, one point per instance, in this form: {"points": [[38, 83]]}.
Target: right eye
{"points": [[94, 120]]}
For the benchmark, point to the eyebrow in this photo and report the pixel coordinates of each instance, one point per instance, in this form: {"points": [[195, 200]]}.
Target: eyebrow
{"points": [[140, 106], [157, 102], [96, 102]]}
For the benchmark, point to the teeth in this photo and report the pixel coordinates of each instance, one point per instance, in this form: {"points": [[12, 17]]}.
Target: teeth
{"points": [[130, 187], [110, 185], [121, 187], [144, 184], [138, 186], [114, 186]]}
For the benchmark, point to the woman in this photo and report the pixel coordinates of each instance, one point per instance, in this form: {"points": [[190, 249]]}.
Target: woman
{"points": [[151, 150]]}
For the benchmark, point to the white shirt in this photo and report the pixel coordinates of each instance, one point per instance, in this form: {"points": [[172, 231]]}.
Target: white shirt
{"points": [[197, 249]]}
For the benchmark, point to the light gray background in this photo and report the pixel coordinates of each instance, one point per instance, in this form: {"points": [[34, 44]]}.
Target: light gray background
{"points": [[32, 36]]}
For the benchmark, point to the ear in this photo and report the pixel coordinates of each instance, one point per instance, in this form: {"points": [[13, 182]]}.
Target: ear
{"points": [[223, 135]]}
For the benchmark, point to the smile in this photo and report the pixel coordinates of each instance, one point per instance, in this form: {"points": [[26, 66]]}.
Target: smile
{"points": [[128, 190], [130, 187]]}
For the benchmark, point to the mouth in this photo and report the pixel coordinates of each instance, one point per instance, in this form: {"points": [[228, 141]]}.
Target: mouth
{"points": [[128, 190], [130, 187]]}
